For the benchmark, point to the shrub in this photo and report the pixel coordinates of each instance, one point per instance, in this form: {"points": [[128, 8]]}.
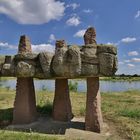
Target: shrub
{"points": [[73, 86]]}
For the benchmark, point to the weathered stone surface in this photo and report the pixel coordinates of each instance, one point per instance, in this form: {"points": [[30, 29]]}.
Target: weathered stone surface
{"points": [[8, 59], [67, 62], [45, 59], [73, 61], [58, 62], [25, 56], [89, 52], [107, 64], [90, 69], [89, 60], [90, 36], [24, 69], [62, 105], [25, 104], [106, 49], [8, 68], [93, 119], [24, 45]]}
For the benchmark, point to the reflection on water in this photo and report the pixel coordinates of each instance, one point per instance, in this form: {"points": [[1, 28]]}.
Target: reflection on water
{"points": [[105, 86]]}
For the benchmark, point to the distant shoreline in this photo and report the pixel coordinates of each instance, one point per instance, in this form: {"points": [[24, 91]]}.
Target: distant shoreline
{"points": [[113, 79]]}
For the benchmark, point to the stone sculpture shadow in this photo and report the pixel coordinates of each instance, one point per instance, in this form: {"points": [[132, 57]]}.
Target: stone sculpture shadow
{"points": [[45, 123]]}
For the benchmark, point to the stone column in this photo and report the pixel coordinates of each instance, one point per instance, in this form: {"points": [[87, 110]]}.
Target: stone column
{"points": [[93, 119], [25, 104], [62, 104]]}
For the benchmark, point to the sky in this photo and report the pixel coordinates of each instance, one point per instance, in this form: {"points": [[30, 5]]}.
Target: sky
{"points": [[116, 22]]}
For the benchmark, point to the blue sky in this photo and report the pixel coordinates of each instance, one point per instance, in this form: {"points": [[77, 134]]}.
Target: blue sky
{"points": [[116, 21]]}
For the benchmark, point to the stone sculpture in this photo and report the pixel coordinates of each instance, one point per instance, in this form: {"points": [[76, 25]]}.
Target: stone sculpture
{"points": [[88, 61]]}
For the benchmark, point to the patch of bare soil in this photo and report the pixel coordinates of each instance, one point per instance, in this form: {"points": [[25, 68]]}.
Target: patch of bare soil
{"points": [[70, 130]]}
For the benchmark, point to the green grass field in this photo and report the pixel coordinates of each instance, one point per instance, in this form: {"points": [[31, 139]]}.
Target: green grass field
{"points": [[120, 110]]}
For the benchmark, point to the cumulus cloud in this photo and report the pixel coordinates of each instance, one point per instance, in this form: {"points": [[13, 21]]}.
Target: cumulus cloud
{"points": [[133, 53], [52, 38], [5, 45], [35, 48], [73, 6], [43, 47], [87, 11], [128, 40], [137, 14], [73, 21], [32, 11], [80, 33], [136, 59]]}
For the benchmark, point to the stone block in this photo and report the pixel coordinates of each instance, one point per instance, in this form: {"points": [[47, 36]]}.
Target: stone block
{"points": [[62, 104], [45, 59], [93, 119], [67, 62], [24, 69], [107, 64], [106, 49], [89, 69]]}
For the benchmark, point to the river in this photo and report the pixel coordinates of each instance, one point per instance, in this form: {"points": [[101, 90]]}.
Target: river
{"points": [[105, 86]]}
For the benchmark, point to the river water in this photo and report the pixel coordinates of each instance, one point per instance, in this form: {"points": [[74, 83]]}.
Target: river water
{"points": [[105, 86]]}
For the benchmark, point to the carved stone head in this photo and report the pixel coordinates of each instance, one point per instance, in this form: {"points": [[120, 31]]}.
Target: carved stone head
{"points": [[90, 36], [60, 44]]}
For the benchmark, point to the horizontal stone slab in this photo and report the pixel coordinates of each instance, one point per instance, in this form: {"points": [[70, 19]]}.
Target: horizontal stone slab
{"points": [[67, 62]]}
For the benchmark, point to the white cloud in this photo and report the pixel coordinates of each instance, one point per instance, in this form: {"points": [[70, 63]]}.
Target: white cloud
{"points": [[43, 47], [35, 48], [73, 6], [133, 53], [128, 40], [131, 65], [73, 21], [121, 63], [137, 14], [127, 61], [136, 59], [80, 33], [32, 12], [52, 38], [111, 43], [87, 11], [5, 45]]}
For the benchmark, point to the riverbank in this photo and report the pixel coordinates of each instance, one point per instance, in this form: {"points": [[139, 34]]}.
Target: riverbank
{"points": [[114, 78], [120, 110], [76, 85], [120, 79]]}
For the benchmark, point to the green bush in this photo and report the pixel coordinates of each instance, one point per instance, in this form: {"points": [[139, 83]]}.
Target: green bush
{"points": [[73, 86]]}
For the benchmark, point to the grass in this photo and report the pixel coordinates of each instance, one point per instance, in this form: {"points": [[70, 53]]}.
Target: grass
{"points": [[11, 135], [122, 110]]}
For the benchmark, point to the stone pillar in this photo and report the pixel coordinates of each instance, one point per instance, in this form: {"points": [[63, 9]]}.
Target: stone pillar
{"points": [[25, 104], [61, 105], [93, 119]]}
